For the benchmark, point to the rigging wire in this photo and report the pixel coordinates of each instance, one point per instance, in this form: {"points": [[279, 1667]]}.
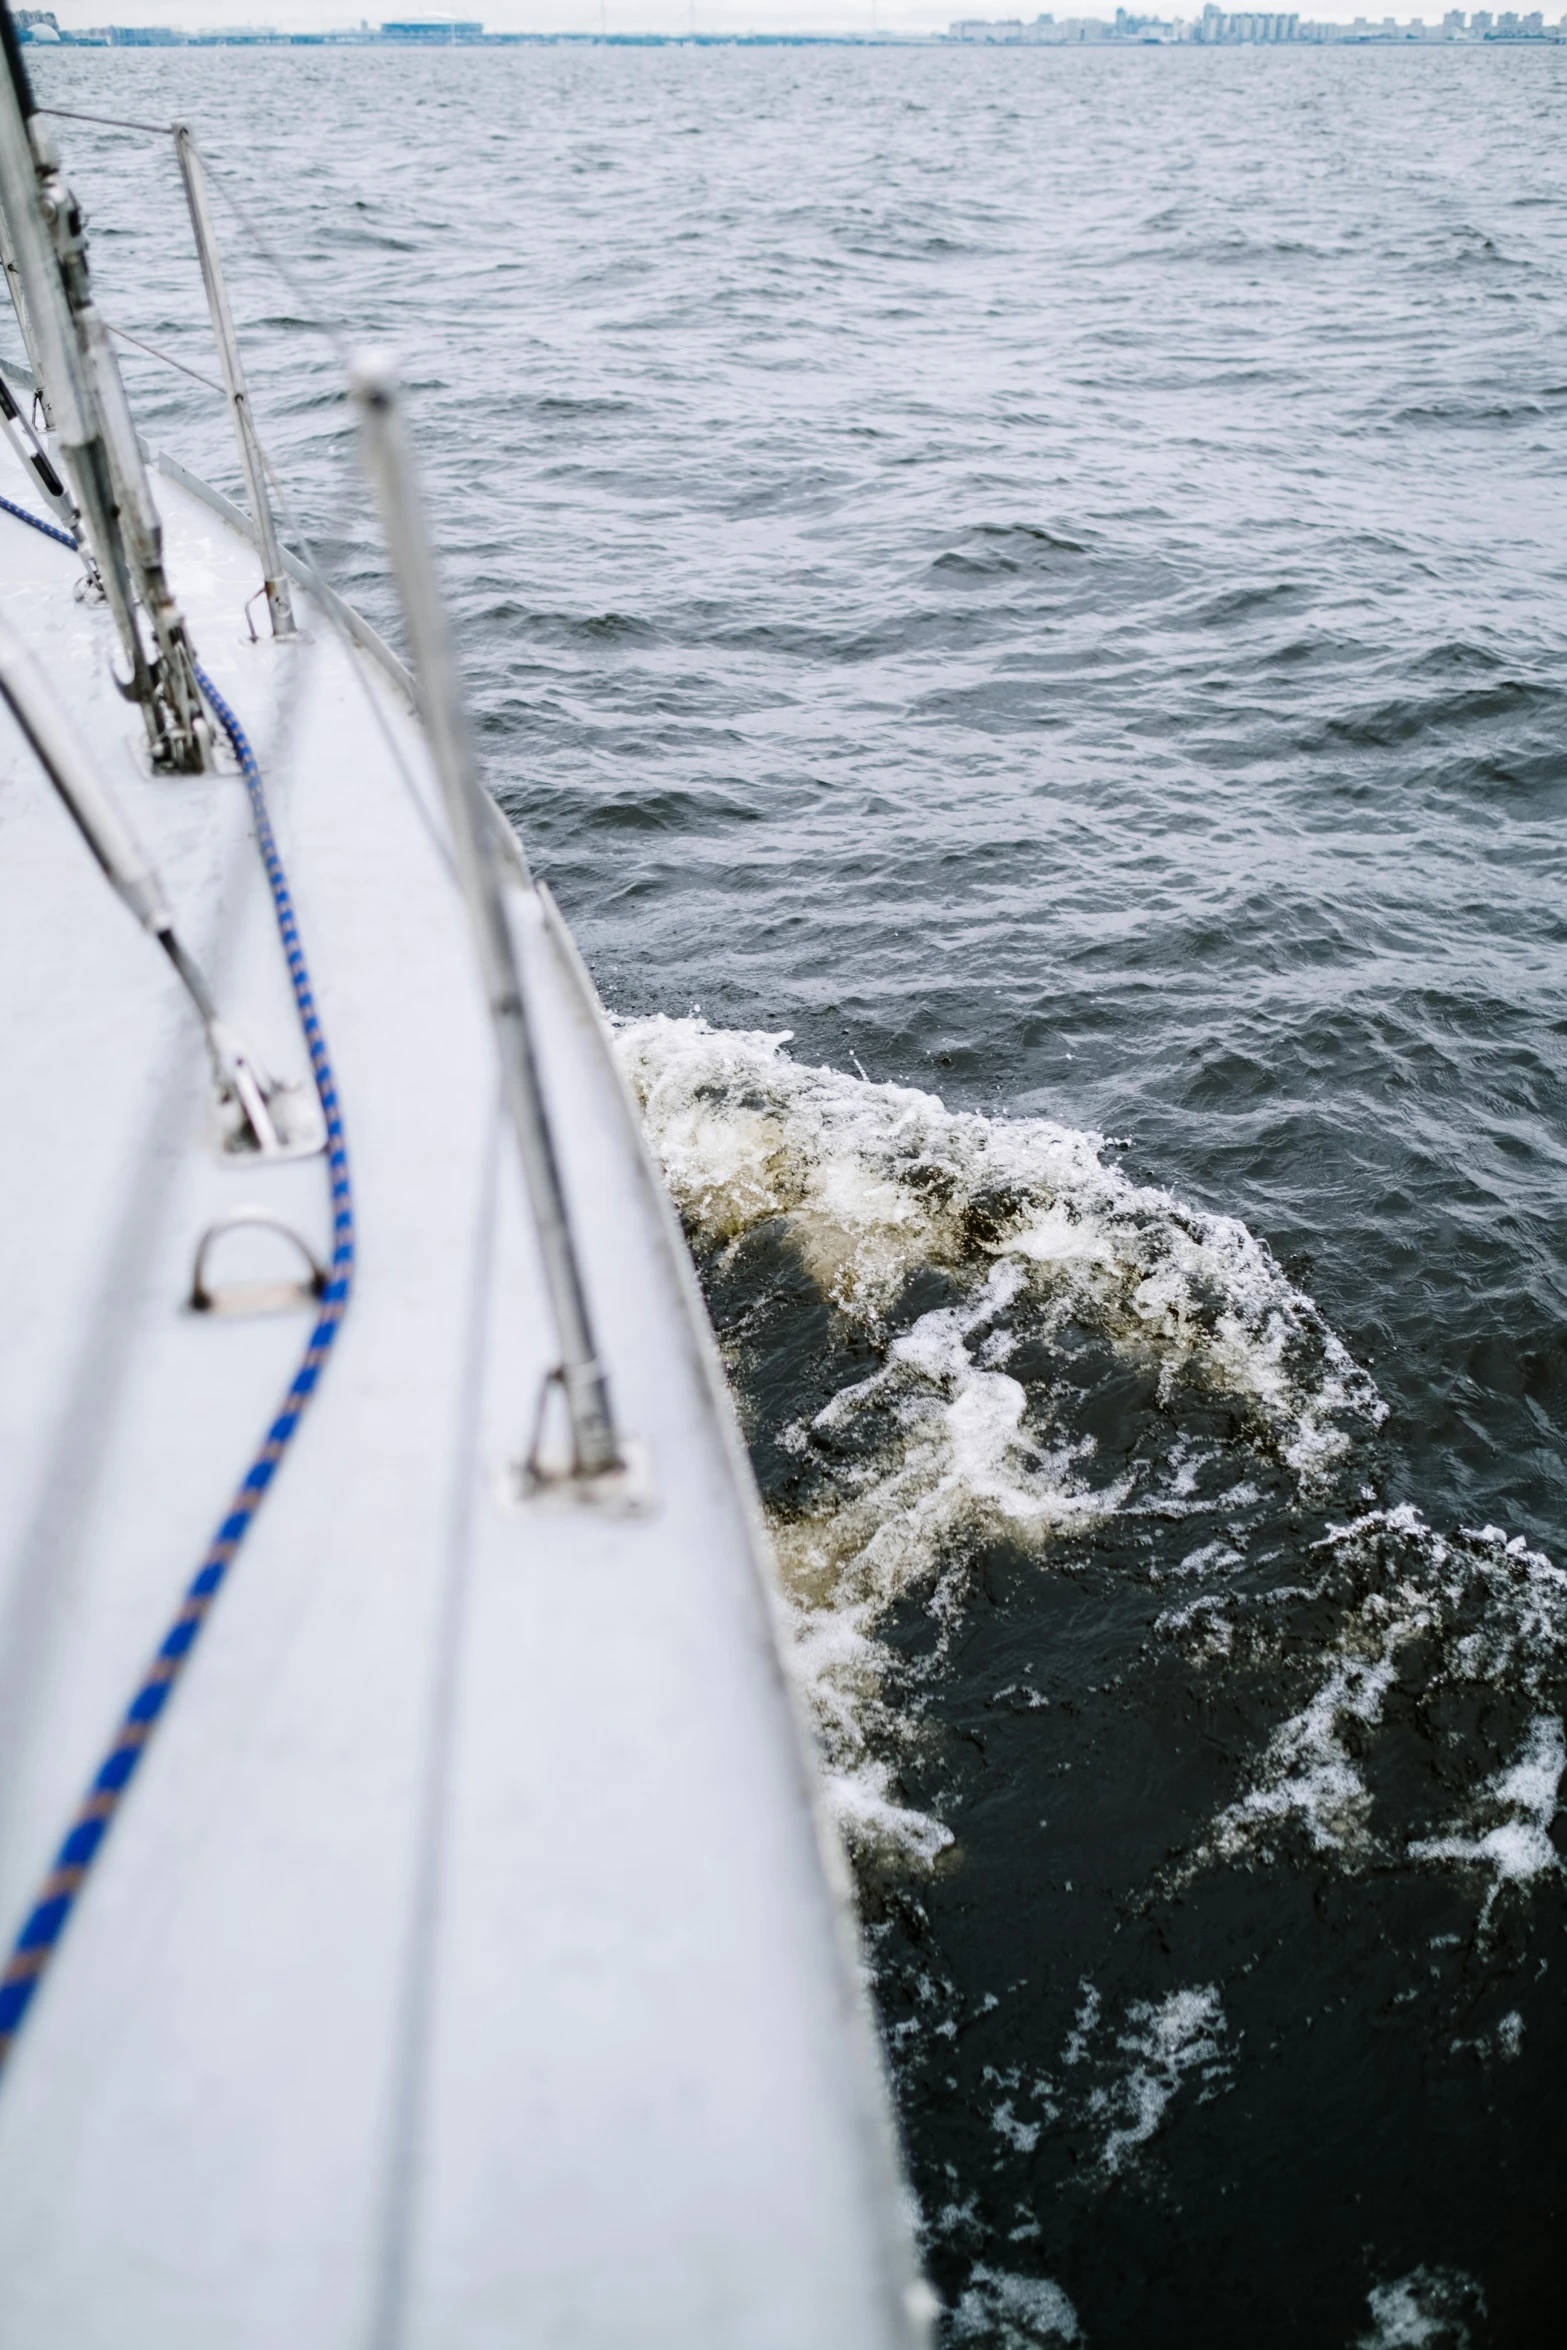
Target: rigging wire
{"points": [[125, 336], [241, 212], [308, 311], [111, 122], [41, 1932], [166, 130]]}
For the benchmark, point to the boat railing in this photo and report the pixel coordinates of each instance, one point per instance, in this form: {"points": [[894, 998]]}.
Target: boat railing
{"points": [[233, 389], [274, 577], [596, 1451], [597, 1467]]}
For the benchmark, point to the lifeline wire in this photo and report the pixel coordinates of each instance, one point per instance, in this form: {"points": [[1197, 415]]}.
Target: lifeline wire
{"points": [[165, 130], [46, 1923], [111, 122], [125, 336]]}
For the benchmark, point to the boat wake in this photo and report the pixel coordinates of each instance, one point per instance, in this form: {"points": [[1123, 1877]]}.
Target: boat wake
{"points": [[958, 1257], [1078, 1507], [915, 1302]]}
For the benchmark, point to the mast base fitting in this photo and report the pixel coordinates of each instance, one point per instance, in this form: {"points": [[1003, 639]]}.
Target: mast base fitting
{"points": [[298, 1130], [552, 1469], [185, 753], [253, 1116], [624, 1491]]}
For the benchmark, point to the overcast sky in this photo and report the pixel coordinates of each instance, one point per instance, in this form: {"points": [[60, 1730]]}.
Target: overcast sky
{"points": [[669, 16]]}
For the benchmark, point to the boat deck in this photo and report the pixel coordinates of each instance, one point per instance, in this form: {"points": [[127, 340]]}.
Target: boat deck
{"points": [[469, 1965]]}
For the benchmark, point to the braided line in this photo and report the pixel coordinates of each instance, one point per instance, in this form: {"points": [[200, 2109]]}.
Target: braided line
{"points": [[48, 528], [40, 1936]]}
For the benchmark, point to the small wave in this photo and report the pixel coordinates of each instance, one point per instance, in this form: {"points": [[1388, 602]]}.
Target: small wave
{"points": [[1007, 550], [1401, 719]]}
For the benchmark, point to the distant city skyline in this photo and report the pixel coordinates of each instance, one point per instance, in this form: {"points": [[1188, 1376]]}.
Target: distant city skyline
{"points": [[841, 17], [1258, 27]]}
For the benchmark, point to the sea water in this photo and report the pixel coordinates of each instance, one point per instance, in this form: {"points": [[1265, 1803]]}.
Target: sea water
{"points": [[1020, 602]]}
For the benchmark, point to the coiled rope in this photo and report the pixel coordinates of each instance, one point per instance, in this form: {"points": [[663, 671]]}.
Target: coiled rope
{"points": [[40, 1936]]}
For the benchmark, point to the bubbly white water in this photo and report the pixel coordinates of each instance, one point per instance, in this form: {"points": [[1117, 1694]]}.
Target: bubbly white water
{"points": [[1179, 2041], [1013, 2312], [1508, 1839], [942, 1445], [1429, 2309], [1513, 1601], [1116, 2083], [874, 1184]]}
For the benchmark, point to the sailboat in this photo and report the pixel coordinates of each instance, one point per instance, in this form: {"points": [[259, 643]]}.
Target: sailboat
{"points": [[422, 1925]]}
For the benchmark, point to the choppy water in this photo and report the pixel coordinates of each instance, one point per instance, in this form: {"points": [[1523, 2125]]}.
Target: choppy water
{"points": [[1042, 577]]}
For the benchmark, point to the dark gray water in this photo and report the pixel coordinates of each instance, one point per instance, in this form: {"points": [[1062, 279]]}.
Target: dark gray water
{"points": [[1043, 576]]}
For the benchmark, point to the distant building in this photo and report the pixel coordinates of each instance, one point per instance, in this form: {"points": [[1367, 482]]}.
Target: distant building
{"points": [[436, 32], [1246, 25], [1253, 26], [1046, 32]]}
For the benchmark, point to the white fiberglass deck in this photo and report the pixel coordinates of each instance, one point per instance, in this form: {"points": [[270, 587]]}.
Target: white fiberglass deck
{"points": [[466, 1967]]}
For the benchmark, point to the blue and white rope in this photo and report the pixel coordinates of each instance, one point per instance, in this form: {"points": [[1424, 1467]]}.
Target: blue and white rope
{"points": [[40, 1936], [50, 530]]}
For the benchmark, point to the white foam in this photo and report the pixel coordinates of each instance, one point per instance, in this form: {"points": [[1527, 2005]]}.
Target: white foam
{"points": [[1517, 1847], [1207, 1630], [1429, 2309], [1180, 2037], [1022, 2136], [1118, 2080], [868, 1816], [1309, 1773], [955, 1462], [874, 1183], [1013, 2312], [877, 1181], [1084, 2024]]}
